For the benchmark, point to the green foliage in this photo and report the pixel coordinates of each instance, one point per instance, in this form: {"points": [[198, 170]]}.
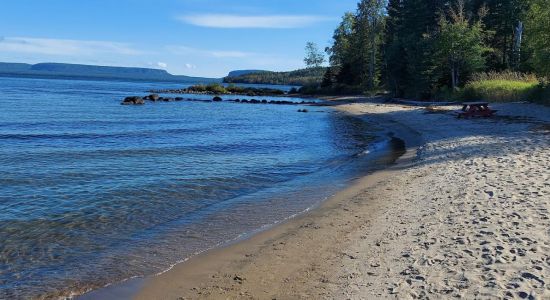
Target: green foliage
{"points": [[335, 89], [500, 90], [421, 49], [505, 75], [355, 54], [506, 87], [218, 89], [538, 36], [411, 70], [460, 44], [369, 31], [314, 57], [311, 76], [500, 18]]}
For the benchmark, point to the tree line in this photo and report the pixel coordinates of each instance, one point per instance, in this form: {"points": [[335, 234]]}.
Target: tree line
{"points": [[302, 77], [415, 48]]}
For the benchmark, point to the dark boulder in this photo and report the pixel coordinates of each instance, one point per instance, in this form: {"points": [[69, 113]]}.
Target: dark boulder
{"points": [[264, 101], [178, 98], [217, 99], [168, 99], [153, 97], [134, 100]]}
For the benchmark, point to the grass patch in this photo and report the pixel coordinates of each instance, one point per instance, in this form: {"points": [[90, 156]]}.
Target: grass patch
{"points": [[500, 90], [506, 87]]}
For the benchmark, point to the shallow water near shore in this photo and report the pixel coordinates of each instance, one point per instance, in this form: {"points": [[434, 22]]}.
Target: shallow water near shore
{"points": [[93, 192]]}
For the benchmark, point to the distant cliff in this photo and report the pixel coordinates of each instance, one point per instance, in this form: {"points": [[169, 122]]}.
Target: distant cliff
{"points": [[96, 72]]}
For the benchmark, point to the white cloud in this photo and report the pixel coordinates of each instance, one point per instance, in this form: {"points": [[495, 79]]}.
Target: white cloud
{"points": [[64, 47], [162, 65], [190, 66], [242, 21], [184, 50]]}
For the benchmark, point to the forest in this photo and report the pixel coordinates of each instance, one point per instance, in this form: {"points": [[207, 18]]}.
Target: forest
{"points": [[305, 77], [497, 50]]}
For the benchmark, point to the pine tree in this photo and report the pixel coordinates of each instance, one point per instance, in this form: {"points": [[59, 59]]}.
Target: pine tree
{"points": [[503, 16], [538, 36], [418, 28], [395, 62], [369, 23], [341, 52], [460, 44]]}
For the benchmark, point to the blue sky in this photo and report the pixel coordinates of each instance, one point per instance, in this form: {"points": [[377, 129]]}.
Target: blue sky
{"points": [[189, 37]]}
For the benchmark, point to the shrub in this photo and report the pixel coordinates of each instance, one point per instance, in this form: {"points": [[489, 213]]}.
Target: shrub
{"points": [[505, 75], [499, 90], [542, 93], [216, 88], [505, 87]]}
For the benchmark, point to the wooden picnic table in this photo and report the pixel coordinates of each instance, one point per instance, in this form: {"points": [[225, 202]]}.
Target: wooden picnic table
{"points": [[475, 109]]}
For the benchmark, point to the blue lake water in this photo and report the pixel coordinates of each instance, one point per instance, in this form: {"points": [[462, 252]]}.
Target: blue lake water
{"points": [[93, 192]]}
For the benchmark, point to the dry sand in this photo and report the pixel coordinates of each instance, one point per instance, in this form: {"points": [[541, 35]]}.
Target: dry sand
{"points": [[465, 216]]}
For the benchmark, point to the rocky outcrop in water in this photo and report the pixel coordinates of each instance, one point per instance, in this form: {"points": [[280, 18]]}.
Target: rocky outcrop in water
{"points": [[152, 97], [134, 100]]}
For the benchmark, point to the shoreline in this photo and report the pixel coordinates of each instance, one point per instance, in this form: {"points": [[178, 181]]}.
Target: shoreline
{"points": [[130, 287], [408, 231], [388, 234]]}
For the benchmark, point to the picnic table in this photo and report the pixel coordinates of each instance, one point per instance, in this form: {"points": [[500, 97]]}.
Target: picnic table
{"points": [[475, 109]]}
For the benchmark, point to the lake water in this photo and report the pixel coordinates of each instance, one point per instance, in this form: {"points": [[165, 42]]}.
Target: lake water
{"points": [[93, 192]]}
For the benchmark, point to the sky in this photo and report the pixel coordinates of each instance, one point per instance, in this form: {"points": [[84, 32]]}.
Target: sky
{"points": [[185, 37]]}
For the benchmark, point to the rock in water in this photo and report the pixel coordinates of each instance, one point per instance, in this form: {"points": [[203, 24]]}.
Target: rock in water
{"points": [[217, 99], [134, 100]]}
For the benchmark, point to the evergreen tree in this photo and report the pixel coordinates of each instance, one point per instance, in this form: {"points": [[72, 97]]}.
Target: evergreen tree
{"points": [[341, 52], [538, 36], [369, 23], [395, 62], [503, 16], [328, 78], [460, 44], [417, 31]]}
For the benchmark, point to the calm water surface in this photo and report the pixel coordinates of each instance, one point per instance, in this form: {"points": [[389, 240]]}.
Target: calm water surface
{"points": [[93, 192]]}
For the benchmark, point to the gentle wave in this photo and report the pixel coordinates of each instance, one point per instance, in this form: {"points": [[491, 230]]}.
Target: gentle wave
{"points": [[93, 192]]}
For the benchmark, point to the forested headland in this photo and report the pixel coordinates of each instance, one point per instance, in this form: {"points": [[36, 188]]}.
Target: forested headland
{"points": [[304, 77], [442, 49]]}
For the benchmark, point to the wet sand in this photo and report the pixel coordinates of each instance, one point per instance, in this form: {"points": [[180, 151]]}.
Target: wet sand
{"points": [[466, 214]]}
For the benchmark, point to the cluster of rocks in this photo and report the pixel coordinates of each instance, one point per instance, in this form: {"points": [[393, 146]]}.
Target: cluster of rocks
{"points": [[136, 100], [280, 102], [249, 93]]}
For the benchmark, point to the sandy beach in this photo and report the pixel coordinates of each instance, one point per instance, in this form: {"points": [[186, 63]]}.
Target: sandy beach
{"points": [[463, 215]]}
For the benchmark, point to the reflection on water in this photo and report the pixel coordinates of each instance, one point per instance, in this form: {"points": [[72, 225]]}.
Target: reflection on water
{"points": [[93, 192]]}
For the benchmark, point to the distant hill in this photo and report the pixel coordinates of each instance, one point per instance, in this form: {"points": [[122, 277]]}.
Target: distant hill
{"points": [[96, 72], [301, 77], [244, 72]]}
